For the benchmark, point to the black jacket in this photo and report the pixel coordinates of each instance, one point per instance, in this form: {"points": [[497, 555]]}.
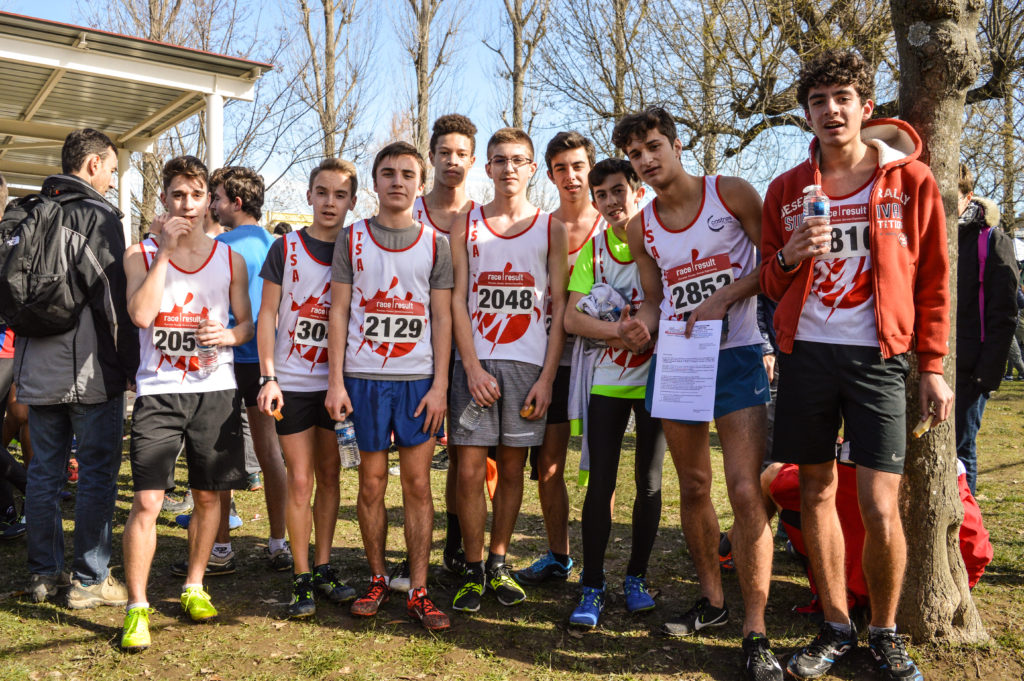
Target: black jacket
{"points": [[94, 361], [984, 363]]}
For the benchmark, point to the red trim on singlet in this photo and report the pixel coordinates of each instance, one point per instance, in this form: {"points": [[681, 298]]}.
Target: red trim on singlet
{"points": [[590, 235], [854, 192], [366, 224], [426, 211], [700, 209], [231, 266], [721, 199], [309, 252], [483, 218], [205, 262]]}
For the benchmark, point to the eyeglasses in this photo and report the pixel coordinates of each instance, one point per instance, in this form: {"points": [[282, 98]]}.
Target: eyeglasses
{"points": [[516, 161]]}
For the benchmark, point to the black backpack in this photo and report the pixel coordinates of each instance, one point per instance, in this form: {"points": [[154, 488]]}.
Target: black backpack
{"points": [[41, 293]]}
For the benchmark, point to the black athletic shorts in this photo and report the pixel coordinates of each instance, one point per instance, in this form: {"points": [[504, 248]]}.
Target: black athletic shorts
{"points": [[209, 424], [302, 411], [558, 412], [823, 385], [247, 376]]}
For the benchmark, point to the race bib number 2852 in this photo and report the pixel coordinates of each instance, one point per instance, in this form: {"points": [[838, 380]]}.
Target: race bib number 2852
{"points": [[691, 284]]}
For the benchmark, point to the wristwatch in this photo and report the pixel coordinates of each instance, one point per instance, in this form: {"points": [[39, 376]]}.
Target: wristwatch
{"points": [[782, 262], [267, 379]]}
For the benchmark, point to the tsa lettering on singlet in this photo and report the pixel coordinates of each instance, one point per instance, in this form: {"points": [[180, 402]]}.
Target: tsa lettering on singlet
{"points": [[691, 284]]}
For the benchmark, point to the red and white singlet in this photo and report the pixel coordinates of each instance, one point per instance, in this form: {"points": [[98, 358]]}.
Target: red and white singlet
{"points": [[421, 214], [508, 284], [300, 352], [389, 322], [167, 349], [702, 257], [596, 229], [619, 366]]}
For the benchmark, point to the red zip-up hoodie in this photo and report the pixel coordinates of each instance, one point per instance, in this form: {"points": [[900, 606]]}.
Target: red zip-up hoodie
{"points": [[909, 263]]}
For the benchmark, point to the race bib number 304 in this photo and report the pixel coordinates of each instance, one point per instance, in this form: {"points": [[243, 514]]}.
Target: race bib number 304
{"points": [[311, 325], [393, 320], [509, 293], [174, 334], [690, 284]]}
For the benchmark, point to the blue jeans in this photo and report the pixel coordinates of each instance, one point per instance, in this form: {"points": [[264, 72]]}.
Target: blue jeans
{"points": [[98, 428], [968, 410]]}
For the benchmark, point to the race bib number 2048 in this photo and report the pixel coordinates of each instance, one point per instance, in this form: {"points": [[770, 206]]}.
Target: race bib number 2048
{"points": [[691, 284], [505, 293]]}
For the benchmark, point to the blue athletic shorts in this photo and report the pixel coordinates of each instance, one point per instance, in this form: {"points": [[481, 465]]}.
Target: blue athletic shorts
{"points": [[741, 381], [384, 407]]}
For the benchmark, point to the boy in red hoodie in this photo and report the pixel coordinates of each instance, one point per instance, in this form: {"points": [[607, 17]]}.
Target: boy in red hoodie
{"points": [[857, 290]]}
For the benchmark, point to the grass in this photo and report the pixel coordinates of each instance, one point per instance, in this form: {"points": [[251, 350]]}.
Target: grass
{"points": [[252, 642]]}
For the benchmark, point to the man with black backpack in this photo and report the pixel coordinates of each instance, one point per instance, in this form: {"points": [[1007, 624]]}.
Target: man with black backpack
{"points": [[73, 380]]}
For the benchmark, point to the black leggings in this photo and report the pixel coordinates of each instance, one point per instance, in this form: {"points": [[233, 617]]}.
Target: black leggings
{"points": [[607, 419]]}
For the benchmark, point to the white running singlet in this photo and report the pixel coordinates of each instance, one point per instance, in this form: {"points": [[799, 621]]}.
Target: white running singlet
{"points": [[597, 228], [167, 349], [300, 351], [702, 257], [508, 284], [389, 319], [619, 366], [421, 214]]}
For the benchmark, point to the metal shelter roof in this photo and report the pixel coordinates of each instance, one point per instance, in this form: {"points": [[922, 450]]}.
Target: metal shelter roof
{"points": [[55, 78]]}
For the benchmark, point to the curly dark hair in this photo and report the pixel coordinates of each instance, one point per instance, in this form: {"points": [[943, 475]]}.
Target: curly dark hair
{"points": [[835, 67], [243, 183], [637, 125], [612, 166], [454, 124], [188, 166]]}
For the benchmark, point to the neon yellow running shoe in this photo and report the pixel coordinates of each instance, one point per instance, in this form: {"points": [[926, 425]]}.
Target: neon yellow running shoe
{"points": [[135, 637], [197, 605]]}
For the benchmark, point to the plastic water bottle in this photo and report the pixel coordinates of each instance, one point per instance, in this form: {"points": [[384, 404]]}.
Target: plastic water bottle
{"points": [[208, 355], [348, 449], [471, 415], [816, 203]]}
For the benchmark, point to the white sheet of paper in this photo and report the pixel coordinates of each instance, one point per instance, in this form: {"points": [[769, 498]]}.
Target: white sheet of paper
{"points": [[684, 378]]}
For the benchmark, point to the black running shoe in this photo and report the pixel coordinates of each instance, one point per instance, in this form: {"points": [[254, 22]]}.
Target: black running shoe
{"points": [[455, 563], [440, 460], [500, 581], [329, 584], [468, 597], [761, 663], [302, 604], [217, 566], [890, 652], [820, 654], [700, 616], [398, 578]]}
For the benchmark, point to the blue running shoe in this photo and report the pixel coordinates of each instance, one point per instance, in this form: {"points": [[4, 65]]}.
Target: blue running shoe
{"points": [[637, 598], [588, 611], [544, 568]]}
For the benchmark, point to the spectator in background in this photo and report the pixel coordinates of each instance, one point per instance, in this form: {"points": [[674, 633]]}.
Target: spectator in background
{"points": [[986, 314], [73, 384], [281, 228], [1016, 361]]}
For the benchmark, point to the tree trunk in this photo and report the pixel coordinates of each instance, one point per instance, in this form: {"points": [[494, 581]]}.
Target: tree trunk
{"points": [[518, 70], [939, 60], [1010, 165], [422, 61]]}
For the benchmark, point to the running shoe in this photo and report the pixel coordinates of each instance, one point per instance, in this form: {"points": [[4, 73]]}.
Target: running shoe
{"points": [[469, 595], [135, 635], [890, 652], [216, 566], [13, 527], [504, 587], [329, 585], [544, 568], [72, 470], [177, 506], [637, 598], [440, 461], [369, 603], [254, 482], [725, 560], [588, 610], [398, 578], [761, 664], [700, 616], [819, 655], [108, 592], [196, 602], [455, 563], [302, 603], [280, 560], [421, 608]]}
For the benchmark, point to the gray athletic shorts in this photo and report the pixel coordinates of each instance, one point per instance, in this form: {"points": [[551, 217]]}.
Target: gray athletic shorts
{"points": [[501, 423]]}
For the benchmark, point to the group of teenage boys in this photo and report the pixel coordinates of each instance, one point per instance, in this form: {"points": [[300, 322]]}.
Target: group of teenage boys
{"points": [[438, 306]]}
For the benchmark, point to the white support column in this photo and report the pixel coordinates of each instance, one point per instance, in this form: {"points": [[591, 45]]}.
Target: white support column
{"points": [[214, 131], [124, 193]]}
